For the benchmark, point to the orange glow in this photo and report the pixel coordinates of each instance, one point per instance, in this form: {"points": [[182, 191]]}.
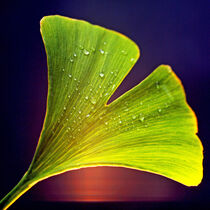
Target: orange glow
{"points": [[101, 184]]}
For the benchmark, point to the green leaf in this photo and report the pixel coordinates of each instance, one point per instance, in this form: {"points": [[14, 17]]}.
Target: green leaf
{"points": [[150, 128]]}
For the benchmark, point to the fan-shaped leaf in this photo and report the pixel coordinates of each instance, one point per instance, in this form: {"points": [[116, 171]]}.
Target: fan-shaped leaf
{"points": [[150, 128]]}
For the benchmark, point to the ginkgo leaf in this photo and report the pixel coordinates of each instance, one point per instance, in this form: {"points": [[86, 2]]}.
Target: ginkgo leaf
{"points": [[150, 128]]}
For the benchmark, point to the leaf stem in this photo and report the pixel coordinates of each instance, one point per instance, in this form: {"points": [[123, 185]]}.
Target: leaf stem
{"points": [[23, 185]]}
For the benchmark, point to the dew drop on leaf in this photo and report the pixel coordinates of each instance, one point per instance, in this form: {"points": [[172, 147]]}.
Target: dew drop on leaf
{"points": [[81, 47], [86, 52], [101, 51], [141, 119], [69, 75], [93, 100], [101, 74], [123, 52], [93, 49], [157, 85]]}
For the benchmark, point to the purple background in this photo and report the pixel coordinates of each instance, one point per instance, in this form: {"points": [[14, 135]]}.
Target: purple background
{"points": [[167, 32]]}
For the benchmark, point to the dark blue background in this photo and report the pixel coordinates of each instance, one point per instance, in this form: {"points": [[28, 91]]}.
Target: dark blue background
{"points": [[173, 32]]}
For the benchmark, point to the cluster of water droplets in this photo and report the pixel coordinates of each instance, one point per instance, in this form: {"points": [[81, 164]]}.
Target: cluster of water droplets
{"points": [[74, 119]]}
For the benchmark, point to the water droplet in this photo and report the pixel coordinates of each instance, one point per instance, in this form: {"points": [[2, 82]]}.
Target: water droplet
{"points": [[134, 117], [166, 105], [71, 60], [101, 51], [112, 72], [86, 97], [86, 52], [141, 119], [74, 107], [75, 55], [63, 69], [113, 87], [104, 43], [141, 103], [81, 47], [68, 96], [132, 60], [126, 110], [120, 121], [93, 100], [88, 115], [157, 85], [101, 74], [123, 52], [159, 110], [91, 89], [67, 119], [93, 49], [99, 86], [64, 108], [106, 123], [79, 112], [69, 75]]}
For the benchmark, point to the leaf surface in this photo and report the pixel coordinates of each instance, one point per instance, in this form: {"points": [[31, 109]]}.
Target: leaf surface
{"points": [[150, 127]]}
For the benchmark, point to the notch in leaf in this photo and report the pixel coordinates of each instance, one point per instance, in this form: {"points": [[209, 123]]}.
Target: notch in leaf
{"points": [[149, 128]]}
